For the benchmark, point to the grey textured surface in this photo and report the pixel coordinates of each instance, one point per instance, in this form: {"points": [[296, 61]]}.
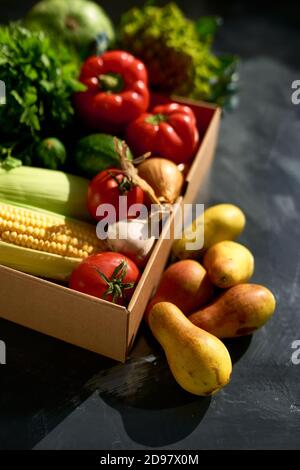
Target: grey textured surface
{"points": [[56, 396]]}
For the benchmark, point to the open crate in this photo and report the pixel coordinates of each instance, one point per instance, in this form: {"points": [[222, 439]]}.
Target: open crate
{"points": [[88, 322]]}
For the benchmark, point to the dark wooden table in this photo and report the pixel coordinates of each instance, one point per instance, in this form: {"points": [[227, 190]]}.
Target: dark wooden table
{"points": [[53, 395]]}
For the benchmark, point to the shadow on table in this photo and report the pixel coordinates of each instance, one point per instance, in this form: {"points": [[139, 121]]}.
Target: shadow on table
{"points": [[41, 384], [237, 347], [155, 410], [46, 379]]}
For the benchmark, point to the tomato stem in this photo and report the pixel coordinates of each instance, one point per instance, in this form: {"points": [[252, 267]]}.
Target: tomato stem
{"points": [[125, 185], [115, 284]]}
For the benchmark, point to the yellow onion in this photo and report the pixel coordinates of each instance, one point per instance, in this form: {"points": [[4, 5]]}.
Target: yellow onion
{"points": [[163, 176]]}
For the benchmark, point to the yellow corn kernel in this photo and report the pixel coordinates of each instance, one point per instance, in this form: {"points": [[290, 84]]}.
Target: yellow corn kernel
{"points": [[34, 229]]}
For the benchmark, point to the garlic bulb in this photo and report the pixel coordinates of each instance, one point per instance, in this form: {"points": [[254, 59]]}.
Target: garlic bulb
{"points": [[131, 237]]}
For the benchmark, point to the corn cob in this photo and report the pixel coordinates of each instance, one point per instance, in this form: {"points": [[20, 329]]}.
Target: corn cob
{"points": [[49, 190], [38, 242]]}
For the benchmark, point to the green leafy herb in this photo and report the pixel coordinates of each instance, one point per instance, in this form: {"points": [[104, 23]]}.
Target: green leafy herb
{"points": [[177, 52], [40, 81], [207, 27]]}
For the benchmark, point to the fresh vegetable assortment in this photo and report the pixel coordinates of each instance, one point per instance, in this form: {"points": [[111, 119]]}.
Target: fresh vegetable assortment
{"points": [[60, 48], [112, 95], [70, 111], [64, 165]]}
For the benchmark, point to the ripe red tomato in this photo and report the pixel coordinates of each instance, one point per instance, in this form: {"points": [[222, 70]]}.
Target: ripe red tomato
{"points": [[107, 187], [109, 276]]}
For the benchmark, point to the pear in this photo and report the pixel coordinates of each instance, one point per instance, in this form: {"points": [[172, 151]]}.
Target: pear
{"points": [[228, 263], [199, 361], [239, 311], [221, 222]]}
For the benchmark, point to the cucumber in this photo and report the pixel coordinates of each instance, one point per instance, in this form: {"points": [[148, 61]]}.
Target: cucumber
{"points": [[96, 153]]}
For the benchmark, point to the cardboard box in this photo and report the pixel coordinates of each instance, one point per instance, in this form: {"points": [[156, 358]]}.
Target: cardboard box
{"points": [[95, 324]]}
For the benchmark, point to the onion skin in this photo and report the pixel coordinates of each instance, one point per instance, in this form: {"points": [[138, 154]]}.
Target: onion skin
{"points": [[163, 176]]}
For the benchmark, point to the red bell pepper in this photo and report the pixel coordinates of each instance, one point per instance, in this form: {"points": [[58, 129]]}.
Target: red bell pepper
{"points": [[117, 91], [170, 131]]}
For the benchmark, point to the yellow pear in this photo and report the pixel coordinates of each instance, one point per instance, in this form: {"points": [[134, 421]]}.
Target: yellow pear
{"points": [[228, 263], [221, 222], [239, 311], [199, 361]]}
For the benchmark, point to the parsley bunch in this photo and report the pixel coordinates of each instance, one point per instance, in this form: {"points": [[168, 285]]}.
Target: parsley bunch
{"points": [[40, 81]]}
